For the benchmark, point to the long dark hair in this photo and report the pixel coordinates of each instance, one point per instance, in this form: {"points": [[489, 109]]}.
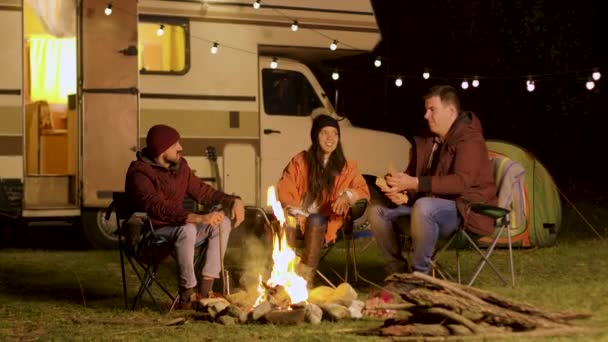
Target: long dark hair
{"points": [[321, 178]]}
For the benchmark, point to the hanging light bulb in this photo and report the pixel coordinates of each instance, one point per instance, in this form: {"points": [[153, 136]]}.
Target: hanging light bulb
{"points": [[256, 4], [590, 84], [426, 74], [334, 45], [596, 75], [294, 26], [161, 30], [335, 75], [398, 81], [377, 62], [530, 85], [108, 9], [464, 84], [214, 48], [274, 64], [475, 83]]}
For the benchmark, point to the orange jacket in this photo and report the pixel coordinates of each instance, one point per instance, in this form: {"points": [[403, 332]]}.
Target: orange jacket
{"points": [[293, 184]]}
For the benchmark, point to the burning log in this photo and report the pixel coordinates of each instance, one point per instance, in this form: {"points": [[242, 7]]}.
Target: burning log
{"points": [[436, 307]]}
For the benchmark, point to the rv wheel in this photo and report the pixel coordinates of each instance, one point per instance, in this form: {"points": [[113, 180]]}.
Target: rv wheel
{"points": [[99, 231]]}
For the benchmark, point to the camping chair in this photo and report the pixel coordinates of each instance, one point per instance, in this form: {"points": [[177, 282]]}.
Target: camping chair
{"points": [[502, 217], [144, 250], [131, 243]]}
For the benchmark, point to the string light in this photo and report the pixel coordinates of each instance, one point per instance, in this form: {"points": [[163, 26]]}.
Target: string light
{"points": [[530, 86], [398, 81], [378, 62], [465, 84], [530, 83], [335, 75], [426, 74]]}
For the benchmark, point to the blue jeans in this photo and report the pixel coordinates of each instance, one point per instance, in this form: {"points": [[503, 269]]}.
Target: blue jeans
{"points": [[431, 218]]}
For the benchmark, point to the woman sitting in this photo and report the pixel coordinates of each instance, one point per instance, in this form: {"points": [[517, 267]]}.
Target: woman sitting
{"points": [[318, 187]]}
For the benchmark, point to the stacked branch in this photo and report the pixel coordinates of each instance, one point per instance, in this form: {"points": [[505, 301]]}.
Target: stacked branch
{"points": [[434, 307]]}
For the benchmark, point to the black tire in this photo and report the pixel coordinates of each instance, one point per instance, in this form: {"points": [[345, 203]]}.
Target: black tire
{"points": [[99, 232]]}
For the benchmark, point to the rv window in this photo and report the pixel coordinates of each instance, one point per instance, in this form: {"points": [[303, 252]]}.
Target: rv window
{"points": [[288, 92], [164, 46]]}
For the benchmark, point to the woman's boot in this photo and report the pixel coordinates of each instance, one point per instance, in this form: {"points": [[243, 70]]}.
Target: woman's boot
{"points": [[314, 239]]}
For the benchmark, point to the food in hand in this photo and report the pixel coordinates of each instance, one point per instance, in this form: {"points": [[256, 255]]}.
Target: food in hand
{"points": [[381, 183]]}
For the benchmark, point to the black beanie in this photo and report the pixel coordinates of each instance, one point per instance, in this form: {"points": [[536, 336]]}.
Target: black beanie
{"points": [[160, 138], [321, 121]]}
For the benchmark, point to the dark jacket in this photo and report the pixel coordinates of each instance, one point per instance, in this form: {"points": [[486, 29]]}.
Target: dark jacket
{"points": [[463, 172], [160, 192]]}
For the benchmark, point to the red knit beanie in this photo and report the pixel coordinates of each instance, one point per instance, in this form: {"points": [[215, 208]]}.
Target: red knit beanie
{"points": [[160, 138]]}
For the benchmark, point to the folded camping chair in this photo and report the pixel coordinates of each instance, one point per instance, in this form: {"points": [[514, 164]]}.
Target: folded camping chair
{"points": [[500, 214]]}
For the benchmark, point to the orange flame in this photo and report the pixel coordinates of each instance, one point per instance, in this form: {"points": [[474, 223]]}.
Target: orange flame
{"points": [[284, 261]]}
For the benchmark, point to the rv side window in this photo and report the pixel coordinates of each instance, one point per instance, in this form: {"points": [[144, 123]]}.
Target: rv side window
{"points": [[288, 92], [164, 45]]}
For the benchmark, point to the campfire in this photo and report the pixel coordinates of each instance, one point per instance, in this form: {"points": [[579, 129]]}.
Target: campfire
{"points": [[283, 298], [284, 287]]}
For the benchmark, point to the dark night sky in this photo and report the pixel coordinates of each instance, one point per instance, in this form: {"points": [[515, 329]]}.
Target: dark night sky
{"points": [[561, 122]]}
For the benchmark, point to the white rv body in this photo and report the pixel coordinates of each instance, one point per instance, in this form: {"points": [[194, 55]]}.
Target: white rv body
{"points": [[221, 100]]}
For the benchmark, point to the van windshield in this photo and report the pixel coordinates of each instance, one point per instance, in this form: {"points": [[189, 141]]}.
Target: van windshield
{"points": [[288, 92]]}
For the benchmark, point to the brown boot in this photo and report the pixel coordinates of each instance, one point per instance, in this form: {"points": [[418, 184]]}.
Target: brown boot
{"points": [[185, 299], [314, 239], [205, 286]]}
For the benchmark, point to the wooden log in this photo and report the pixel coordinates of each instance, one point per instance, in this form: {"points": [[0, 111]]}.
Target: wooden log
{"points": [[458, 319], [457, 298], [416, 330]]}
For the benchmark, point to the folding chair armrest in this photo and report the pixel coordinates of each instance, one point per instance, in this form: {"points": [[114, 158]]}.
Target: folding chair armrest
{"points": [[357, 209], [109, 211], [489, 210]]}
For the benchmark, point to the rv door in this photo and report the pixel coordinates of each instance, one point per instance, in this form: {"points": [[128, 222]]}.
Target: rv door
{"points": [[290, 94], [110, 99], [109, 104]]}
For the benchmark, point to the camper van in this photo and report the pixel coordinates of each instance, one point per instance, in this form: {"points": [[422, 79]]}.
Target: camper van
{"points": [[84, 80]]}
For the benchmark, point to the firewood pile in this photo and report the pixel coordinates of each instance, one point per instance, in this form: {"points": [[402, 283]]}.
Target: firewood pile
{"points": [[324, 303], [432, 308]]}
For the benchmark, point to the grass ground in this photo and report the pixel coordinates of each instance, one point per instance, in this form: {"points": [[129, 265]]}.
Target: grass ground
{"points": [[64, 295]]}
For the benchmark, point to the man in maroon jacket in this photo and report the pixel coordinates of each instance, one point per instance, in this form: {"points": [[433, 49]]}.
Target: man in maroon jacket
{"points": [[157, 183], [448, 172]]}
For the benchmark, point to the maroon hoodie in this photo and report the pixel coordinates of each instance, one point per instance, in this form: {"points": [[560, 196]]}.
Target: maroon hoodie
{"points": [[160, 192]]}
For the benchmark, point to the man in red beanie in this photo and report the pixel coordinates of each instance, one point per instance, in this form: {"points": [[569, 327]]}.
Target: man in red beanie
{"points": [[157, 183]]}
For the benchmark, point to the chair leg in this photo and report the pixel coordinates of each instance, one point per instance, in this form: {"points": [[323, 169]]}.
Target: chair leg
{"points": [[435, 265], [124, 278], [511, 256], [485, 256], [355, 271], [458, 266], [347, 242], [325, 279]]}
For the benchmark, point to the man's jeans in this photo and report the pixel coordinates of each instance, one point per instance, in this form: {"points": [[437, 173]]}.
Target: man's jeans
{"points": [[186, 237], [431, 218]]}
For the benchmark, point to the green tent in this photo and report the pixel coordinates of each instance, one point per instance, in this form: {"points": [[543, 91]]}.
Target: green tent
{"points": [[543, 206]]}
